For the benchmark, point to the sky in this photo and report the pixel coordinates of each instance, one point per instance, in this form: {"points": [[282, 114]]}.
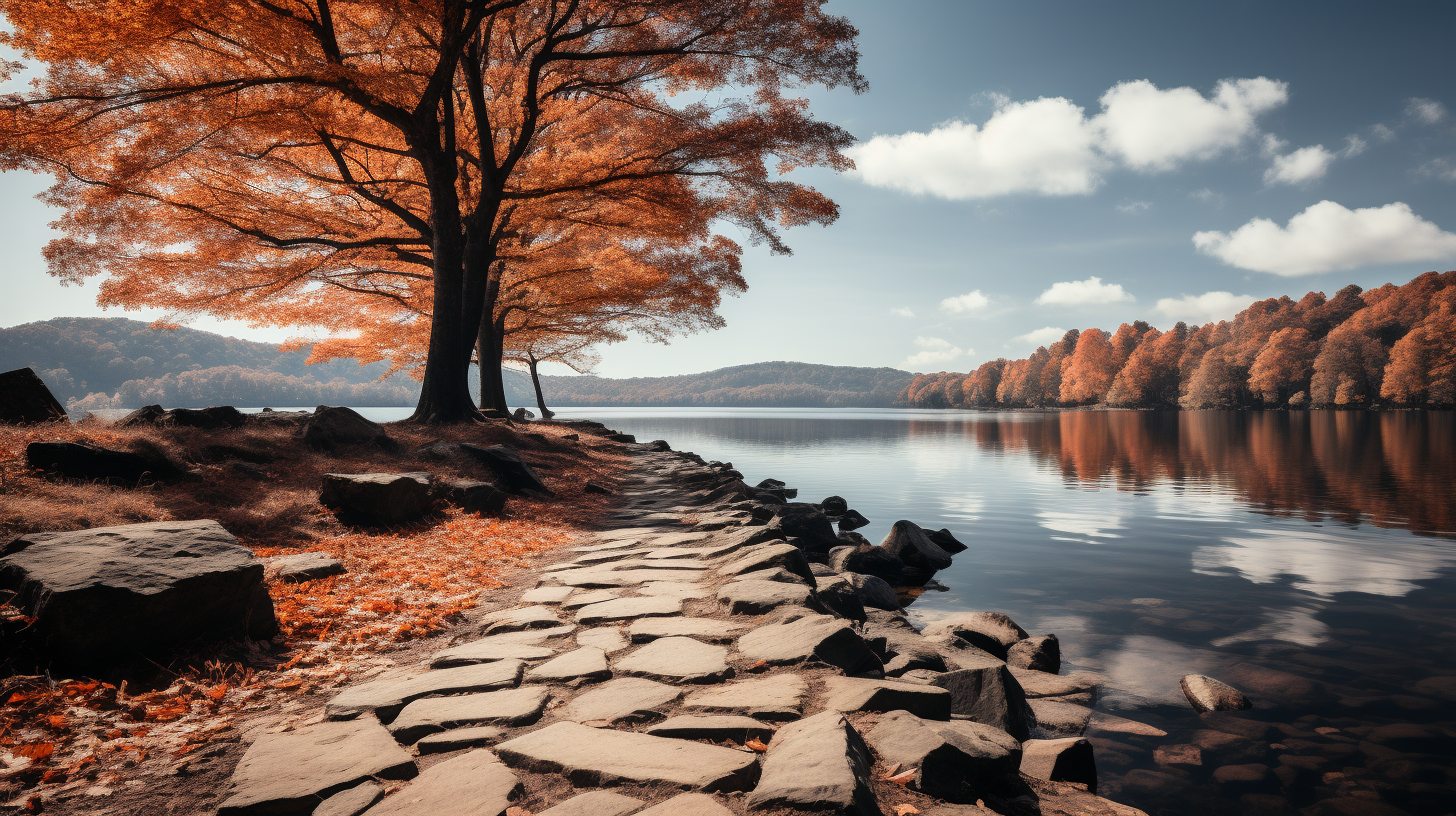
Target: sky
{"points": [[1027, 168]]}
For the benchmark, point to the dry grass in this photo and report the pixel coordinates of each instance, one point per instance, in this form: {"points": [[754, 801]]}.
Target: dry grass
{"points": [[402, 583]]}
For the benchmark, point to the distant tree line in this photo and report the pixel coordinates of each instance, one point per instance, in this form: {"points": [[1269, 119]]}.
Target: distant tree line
{"points": [[1395, 345], [774, 384], [234, 385]]}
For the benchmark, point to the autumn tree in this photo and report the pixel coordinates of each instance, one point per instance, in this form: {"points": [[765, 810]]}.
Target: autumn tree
{"points": [[1150, 376], [1088, 373], [1283, 366], [318, 163], [1422, 367]]}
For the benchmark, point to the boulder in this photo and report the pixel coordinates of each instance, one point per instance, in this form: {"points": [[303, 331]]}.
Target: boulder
{"points": [[863, 694], [328, 428], [906, 649], [987, 694], [818, 763], [1056, 719], [600, 756], [991, 632], [834, 506], [105, 592], [517, 706], [852, 520], [873, 591], [145, 415], [469, 495], [1060, 760], [213, 418], [1207, 694], [816, 637], [773, 698], [621, 437], [522, 415], [736, 728], [508, 466], [787, 556], [782, 575], [1041, 684], [82, 460], [472, 784], [755, 597], [955, 761], [678, 660], [808, 524], [288, 773], [296, 569], [1042, 653], [944, 540], [840, 597], [907, 542], [595, 803], [25, 398], [630, 699], [387, 696], [867, 559], [389, 498]]}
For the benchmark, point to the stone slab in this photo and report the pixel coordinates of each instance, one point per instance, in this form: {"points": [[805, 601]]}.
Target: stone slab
{"points": [[714, 728], [677, 660], [518, 706], [600, 578], [709, 630], [546, 595], [472, 784], [577, 666], [458, 738], [592, 757], [860, 694], [625, 698], [607, 638], [489, 650], [519, 619], [1055, 719], [819, 637], [818, 763], [674, 589], [288, 773], [351, 802], [387, 696], [595, 803], [301, 567], [589, 597], [689, 804], [758, 597], [628, 609], [957, 761], [775, 698]]}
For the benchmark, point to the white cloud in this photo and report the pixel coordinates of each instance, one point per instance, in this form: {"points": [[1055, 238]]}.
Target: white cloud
{"points": [[1208, 196], [1443, 169], [1209, 307], [1041, 337], [1354, 146], [1303, 165], [933, 351], [902, 311], [1134, 206], [1427, 111], [1048, 146], [1083, 293], [1383, 133], [969, 302], [1152, 129], [1042, 146], [1328, 236]]}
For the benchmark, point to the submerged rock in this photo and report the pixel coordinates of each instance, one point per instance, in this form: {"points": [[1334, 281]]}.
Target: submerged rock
{"points": [[1207, 694], [1060, 760], [912, 546]]}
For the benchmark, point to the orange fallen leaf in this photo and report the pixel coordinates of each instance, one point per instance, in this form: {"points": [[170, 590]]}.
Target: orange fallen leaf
{"points": [[905, 810], [902, 778], [756, 744], [36, 750], [217, 691]]}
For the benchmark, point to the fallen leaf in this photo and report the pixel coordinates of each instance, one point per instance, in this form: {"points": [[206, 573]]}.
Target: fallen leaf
{"points": [[756, 744], [905, 810], [902, 778], [37, 750]]}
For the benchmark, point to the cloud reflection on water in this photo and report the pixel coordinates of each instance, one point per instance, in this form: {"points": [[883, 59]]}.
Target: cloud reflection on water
{"points": [[1298, 625], [1325, 563], [1090, 524]]}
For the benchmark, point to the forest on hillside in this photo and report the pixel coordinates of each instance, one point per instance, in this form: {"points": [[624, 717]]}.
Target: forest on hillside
{"points": [[1394, 346], [775, 384]]}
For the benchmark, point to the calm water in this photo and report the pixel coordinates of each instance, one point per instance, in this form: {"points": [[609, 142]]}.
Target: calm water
{"points": [[1308, 558]]}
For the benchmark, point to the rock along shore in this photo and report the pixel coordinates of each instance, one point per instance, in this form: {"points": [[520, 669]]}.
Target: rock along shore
{"points": [[715, 649]]}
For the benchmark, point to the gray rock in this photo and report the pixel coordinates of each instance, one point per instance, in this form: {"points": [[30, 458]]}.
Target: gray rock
{"points": [[100, 593], [607, 638], [991, 632], [470, 495], [956, 761], [834, 506], [350, 802], [867, 559], [1040, 684], [1054, 719], [779, 574], [737, 728], [678, 660], [625, 698], [809, 525], [768, 556], [327, 428], [459, 738], [1207, 694], [289, 773], [688, 804], [777, 697], [582, 665], [296, 569], [599, 756], [818, 763], [546, 595], [709, 630], [815, 637], [909, 651], [852, 520], [519, 619], [628, 609], [863, 694], [518, 706], [25, 398], [944, 540], [1042, 653], [873, 591], [1060, 760], [81, 460], [753, 597], [914, 548], [472, 784], [388, 498], [595, 803], [386, 696], [839, 596], [508, 466], [987, 694]]}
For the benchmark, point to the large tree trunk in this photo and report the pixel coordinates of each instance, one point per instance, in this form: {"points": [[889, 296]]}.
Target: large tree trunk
{"points": [[546, 413], [445, 391], [490, 350]]}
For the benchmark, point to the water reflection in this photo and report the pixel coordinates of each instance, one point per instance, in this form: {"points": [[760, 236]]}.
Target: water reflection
{"points": [[1325, 563]]}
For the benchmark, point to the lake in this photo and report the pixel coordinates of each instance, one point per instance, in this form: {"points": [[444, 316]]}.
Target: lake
{"points": [[1308, 558]]}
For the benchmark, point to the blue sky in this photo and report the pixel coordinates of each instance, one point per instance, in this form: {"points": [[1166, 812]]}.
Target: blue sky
{"points": [[1026, 168]]}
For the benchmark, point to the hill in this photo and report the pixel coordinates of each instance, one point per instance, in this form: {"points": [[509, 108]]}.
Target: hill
{"points": [[92, 362]]}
